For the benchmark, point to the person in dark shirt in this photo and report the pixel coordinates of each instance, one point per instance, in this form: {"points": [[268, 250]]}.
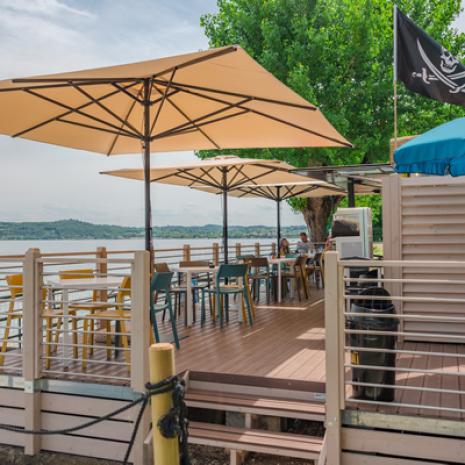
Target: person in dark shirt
{"points": [[304, 245]]}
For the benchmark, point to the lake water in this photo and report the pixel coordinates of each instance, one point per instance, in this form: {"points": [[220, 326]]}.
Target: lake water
{"points": [[19, 247]]}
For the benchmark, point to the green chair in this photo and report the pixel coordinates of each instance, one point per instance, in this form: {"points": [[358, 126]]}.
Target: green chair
{"points": [[230, 280], [161, 284]]}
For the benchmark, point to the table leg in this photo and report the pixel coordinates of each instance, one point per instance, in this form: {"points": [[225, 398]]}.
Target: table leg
{"points": [[190, 301], [66, 338], [279, 283]]}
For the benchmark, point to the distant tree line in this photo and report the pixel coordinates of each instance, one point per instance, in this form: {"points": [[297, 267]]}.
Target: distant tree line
{"points": [[80, 230]]}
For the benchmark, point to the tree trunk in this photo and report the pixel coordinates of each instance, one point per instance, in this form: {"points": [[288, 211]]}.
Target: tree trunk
{"points": [[316, 215]]}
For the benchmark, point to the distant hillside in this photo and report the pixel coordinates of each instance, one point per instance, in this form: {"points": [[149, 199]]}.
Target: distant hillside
{"points": [[74, 229]]}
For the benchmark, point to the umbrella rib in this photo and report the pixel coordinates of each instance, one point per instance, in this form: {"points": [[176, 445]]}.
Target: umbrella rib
{"points": [[195, 61], [50, 120], [165, 94], [194, 179], [184, 86], [159, 99], [187, 130], [108, 110], [128, 114], [96, 128], [239, 171], [253, 178], [85, 81], [177, 129], [207, 173], [189, 119], [62, 83], [270, 191], [261, 192], [122, 89], [79, 112], [243, 192], [265, 115], [288, 193], [188, 177]]}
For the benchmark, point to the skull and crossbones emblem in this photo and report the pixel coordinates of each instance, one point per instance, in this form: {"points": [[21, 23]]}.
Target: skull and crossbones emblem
{"points": [[448, 62]]}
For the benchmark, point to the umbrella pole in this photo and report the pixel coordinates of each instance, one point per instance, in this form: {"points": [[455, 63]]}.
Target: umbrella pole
{"points": [[148, 207], [278, 217], [225, 216]]}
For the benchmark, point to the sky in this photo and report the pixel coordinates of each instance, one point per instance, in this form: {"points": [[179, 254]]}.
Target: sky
{"points": [[40, 182]]}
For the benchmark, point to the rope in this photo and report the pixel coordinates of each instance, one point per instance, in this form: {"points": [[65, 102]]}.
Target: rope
{"points": [[173, 424]]}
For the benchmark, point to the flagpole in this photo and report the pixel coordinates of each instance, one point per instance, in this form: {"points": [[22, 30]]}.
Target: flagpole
{"points": [[395, 76]]}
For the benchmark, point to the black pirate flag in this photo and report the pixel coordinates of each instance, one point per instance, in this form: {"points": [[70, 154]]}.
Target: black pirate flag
{"points": [[425, 67]]}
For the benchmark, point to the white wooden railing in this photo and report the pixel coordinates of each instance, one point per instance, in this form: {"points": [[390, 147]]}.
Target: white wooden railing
{"points": [[428, 346]]}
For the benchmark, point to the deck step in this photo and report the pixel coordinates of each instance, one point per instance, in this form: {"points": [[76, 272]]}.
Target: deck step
{"points": [[259, 441], [257, 405]]}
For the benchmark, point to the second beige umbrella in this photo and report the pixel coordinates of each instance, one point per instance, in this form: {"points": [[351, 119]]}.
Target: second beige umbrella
{"points": [[220, 175]]}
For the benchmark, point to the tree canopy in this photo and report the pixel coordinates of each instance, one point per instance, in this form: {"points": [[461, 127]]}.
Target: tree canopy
{"points": [[338, 55]]}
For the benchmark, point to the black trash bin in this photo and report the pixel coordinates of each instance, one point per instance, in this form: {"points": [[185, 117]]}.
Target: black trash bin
{"points": [[378, 359]]}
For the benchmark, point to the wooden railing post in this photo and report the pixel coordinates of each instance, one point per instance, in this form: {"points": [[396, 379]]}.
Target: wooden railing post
{"points": [[102, 271], [31, 339], [334, 335], [140, 341], [216, 253], [257, 249], [186, 252], [273, 249], [238, 249]]}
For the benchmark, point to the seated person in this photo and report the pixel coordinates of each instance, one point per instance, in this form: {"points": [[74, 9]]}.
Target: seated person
{"points": [[284, 247], [304, 245]]}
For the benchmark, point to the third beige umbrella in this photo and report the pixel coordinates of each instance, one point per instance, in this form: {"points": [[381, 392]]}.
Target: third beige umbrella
{"points": [[290, 185]]}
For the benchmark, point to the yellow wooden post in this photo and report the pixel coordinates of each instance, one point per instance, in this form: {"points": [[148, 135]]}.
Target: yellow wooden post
{"points": [[238, 249], [161, 359]]}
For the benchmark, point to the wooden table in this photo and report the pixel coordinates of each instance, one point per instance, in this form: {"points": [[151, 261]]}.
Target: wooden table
{"points": [[85, 284], [189, 271]]}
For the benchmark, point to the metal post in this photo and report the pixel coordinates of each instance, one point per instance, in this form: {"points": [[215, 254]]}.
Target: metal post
{"points": [[278, 213], [146, 143], [351, 193], [395, 77], [225, 214]]}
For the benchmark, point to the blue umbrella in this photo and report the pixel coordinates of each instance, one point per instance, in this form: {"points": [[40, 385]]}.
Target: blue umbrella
{"points": [[439, 151]]}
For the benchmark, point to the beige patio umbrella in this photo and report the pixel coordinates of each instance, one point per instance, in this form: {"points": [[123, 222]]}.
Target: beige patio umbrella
{"points": [[215, 99], [221, 175], [291, 185]]}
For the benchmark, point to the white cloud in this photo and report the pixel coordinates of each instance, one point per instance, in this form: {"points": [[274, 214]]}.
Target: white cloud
{"points": [[45, 182], [44, 7]]}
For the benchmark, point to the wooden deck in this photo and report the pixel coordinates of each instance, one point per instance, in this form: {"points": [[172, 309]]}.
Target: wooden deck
{"points": [[286, 343]]}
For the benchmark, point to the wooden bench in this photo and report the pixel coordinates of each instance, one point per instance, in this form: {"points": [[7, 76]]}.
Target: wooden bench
{"points": [[259, 441], [257, 405]]}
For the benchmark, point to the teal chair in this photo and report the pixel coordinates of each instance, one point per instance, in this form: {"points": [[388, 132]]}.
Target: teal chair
{"points": [[230, 280], [161, 284]]}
